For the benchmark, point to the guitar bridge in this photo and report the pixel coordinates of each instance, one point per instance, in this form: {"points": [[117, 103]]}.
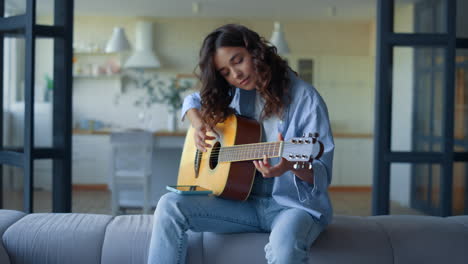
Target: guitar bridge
{"points": [[196, 167]]}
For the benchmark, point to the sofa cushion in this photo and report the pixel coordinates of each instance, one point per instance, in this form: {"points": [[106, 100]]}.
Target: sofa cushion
{"points": [[56, 238], [128, 237], [357, 239], [348, 240], [461, 219], [242, 248], [425, 239], [7, 218]]}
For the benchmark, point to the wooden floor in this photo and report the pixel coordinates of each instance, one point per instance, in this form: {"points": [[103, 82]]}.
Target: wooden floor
{"points": [[98, 202]]}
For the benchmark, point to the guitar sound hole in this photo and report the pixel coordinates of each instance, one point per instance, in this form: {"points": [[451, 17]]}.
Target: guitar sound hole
{"points": [[214, 155]]}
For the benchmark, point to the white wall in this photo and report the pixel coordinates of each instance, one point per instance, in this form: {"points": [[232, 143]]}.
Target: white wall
{"points": [[341, 52]]}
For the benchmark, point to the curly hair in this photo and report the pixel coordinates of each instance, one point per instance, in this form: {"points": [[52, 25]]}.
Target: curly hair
{"points": [[216, 93]]}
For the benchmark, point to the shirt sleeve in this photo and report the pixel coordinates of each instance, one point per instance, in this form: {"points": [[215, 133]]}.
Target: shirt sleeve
{"points": [[190, 101], [314, 119]]}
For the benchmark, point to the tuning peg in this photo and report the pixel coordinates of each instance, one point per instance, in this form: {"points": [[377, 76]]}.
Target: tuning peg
{"points": [[311, 135], [314, 140], [296, 165], [310, 165], [316, 135], [304, 134]]}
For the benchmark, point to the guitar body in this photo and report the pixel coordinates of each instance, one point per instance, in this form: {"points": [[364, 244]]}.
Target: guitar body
{"points": [[230, 180]]}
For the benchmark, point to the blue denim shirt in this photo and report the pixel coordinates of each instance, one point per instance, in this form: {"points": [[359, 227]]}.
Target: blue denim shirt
{"points": [[306, 113]]}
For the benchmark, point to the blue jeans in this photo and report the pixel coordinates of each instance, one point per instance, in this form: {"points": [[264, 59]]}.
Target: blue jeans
{"points": [[292, 230]]}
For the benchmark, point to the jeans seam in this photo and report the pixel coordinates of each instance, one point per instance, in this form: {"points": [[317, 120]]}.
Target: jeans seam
{"points": [[180, 248], [311, 227], [179, 251]]}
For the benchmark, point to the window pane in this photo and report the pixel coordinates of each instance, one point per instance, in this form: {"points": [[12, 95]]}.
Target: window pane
{"points": [[462, 19], [15, 7], [43, 93], [45, 12], [425, 16], [12, 188], [13, 178], [461, 101], [409, 182], [460, 181], [424, 187], [417, 105]]}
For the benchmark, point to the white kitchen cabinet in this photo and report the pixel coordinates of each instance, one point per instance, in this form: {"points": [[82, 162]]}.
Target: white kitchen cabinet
{"points": [[90, 159], [352, 163]]}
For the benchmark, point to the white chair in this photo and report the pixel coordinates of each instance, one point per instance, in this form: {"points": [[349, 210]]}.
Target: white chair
{"points": [[130, 172]]}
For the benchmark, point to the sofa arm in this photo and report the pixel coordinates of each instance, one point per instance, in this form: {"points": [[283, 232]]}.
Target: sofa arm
{"points": [[7, 218], [56, 238]]}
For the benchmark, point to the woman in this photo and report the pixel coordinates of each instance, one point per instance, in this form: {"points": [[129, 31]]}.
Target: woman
{"points": [[240, 73]]}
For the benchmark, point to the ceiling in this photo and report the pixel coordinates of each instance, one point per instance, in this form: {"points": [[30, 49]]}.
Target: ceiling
{"points": [[259, 9]]}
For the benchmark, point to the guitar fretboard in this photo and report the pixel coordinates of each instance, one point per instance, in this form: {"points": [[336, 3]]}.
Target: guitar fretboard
{"points": [[250, 151]]}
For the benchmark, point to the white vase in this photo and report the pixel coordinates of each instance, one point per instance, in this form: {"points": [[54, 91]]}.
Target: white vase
{"points": [[145, 119], [172, 121]]}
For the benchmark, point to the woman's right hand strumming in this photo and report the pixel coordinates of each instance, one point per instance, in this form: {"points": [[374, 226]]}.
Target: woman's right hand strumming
{"points": [[201, 128]]}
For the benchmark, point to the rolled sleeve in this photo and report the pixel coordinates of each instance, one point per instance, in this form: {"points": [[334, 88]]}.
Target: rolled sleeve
{"points": [[307, 191], [190, 101], [320, 177], [311, 121]]}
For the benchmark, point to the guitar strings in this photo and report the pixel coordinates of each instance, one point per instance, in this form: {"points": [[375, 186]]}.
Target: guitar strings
{"points": [[243, 149], [241, 152]]}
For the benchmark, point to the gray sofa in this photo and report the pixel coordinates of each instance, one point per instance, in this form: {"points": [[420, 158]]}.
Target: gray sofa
{"points": [[87, 238]]}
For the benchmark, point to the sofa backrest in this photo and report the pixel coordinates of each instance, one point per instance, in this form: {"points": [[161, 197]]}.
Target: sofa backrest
{"points": [[89, 238], [7, 218]]}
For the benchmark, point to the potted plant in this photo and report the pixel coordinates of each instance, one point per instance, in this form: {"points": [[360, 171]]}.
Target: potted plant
{"points": [[168, 92]]}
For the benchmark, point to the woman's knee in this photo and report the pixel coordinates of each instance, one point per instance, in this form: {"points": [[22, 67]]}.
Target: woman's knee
{"points": [[167, 199], [168, 204]]}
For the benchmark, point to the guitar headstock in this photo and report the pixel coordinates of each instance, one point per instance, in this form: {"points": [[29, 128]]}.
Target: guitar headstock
{"points": [[303, 150]]}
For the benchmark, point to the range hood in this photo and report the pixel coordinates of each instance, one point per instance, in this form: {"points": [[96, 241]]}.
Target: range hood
{"points": [[144, 56]]}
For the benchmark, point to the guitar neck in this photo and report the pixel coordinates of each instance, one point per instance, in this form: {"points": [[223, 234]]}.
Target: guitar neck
{"points": [[250, 151]]}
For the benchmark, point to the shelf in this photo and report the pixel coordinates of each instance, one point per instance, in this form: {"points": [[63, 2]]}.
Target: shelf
{"points": [[87, 65]]}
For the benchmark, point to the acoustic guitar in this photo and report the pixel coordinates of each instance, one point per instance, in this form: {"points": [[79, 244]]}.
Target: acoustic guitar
{"points": [[227, 168]]}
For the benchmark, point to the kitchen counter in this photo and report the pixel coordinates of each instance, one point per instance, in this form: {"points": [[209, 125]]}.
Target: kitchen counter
{"points": [[109, 131]]}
